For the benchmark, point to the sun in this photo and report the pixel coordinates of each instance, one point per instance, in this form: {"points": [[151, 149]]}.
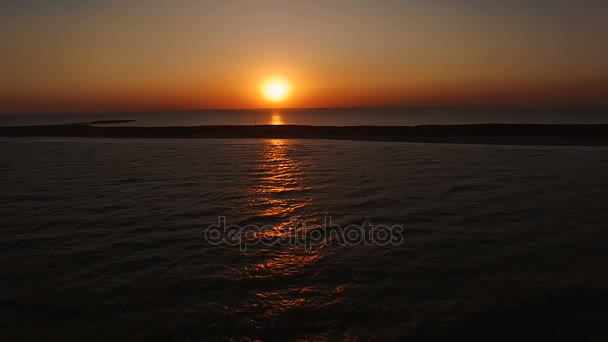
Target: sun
{"points": [[276, 90]]}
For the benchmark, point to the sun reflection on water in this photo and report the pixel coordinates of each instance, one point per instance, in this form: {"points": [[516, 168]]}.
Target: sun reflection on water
{"points": [[279, 199], [286, 263], [279, 193], [276, 118]]}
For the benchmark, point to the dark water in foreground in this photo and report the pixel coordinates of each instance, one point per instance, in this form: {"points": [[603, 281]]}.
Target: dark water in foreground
{"points": [[104, 240], [328, 117]]}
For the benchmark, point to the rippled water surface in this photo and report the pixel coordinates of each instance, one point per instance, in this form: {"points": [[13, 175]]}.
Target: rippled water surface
{"points": [[105, 239]]}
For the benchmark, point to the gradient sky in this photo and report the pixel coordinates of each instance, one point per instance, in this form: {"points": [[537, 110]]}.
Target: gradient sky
{"points": [[86, 55]]}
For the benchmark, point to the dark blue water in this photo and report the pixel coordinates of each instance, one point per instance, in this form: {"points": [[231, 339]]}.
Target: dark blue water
{"points": [[105, 239], [328, 117]]}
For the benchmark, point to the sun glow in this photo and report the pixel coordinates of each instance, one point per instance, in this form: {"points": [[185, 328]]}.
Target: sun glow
{"points": [[276, 90]]}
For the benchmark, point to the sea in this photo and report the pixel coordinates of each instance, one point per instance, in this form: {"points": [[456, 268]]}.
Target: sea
{"points": [[281, 240], [324, 117]]}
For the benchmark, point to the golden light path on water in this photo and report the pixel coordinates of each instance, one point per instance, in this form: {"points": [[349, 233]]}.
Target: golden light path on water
{"points": [[276, 118], [280, 197]]}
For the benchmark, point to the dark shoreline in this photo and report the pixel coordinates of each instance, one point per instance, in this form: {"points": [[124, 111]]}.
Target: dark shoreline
{"points": [[508, 134]]}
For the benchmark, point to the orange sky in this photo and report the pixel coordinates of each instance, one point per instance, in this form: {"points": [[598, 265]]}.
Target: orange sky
{"points": [[149, 55]]}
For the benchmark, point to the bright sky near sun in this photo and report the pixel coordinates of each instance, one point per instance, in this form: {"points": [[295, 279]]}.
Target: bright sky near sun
{"points": [[106, 55]]}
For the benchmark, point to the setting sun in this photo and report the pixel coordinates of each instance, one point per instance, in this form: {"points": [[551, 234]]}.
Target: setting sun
{"points": [[275, 90]]}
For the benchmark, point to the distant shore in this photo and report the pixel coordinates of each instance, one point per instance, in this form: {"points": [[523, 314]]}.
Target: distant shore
{"points": [[103, 122], [509, 134]]}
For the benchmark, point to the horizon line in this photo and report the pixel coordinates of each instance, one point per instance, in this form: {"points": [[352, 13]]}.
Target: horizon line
{"points": [[161, 110]]}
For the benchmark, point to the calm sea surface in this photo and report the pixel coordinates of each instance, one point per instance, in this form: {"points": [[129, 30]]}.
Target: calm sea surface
{"points": [[105, 240], [328, 117]]}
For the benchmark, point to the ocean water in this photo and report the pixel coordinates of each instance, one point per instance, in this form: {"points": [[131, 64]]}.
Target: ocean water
{"points": [[327, 117], [108, 239]]}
